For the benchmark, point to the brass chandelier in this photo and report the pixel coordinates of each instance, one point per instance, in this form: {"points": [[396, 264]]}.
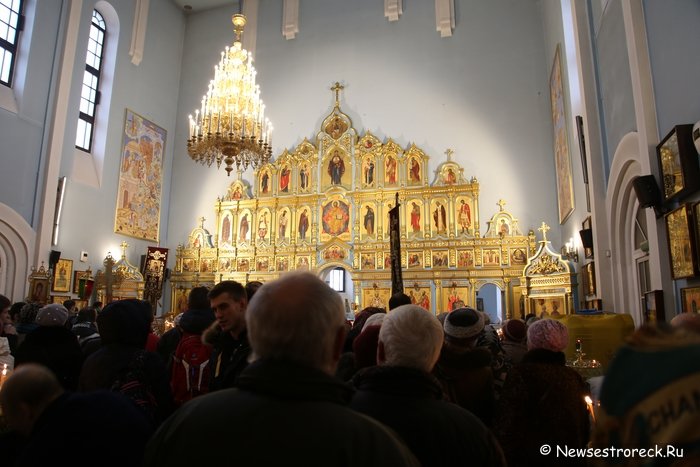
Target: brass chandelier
{"points": [[230, 126]]}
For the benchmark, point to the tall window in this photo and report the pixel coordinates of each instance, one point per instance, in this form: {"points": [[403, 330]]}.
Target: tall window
{"points": [[11, 22], [90, 94]]}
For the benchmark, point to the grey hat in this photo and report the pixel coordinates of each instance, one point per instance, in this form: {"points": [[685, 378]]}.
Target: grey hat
{"points": [[464, 323], [52, 315]]}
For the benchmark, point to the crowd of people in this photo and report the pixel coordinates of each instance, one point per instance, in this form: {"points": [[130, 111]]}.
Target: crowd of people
{"points": [[273, 374]]}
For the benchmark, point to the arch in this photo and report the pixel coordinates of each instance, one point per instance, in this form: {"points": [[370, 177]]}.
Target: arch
{"points": [[16, 243], [500, 302], [348, 295], [621, 203]]}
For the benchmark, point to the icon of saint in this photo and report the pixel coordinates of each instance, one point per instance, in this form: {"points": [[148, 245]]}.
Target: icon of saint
{"points": [[336, 168]]}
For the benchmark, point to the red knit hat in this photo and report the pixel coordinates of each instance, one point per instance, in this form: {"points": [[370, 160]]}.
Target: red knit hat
{"points": [[365, 347]]}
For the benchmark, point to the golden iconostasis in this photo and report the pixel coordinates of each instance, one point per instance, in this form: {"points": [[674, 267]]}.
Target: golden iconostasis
{"points": [[324, 204]]}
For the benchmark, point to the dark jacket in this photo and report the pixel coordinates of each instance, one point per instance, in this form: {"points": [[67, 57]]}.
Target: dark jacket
{"points": [[438, 432], [124, 327], [466, 377], [167, 345], [56, 348], [82, 430], [542, 403], [229, 357], [112, 362], [281, 413]]}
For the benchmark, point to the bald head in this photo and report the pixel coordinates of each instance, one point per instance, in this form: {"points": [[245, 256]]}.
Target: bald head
{"points": [[25, 395], [297, 317], [688, 321]]}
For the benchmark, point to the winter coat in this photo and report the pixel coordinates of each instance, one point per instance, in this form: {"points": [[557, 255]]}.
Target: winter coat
{"points": [[438, 432], [280, 413], [515, 351], [542, 403], [467, 379], [82, 430], [110, 363], [229, 357], [56, 348]]}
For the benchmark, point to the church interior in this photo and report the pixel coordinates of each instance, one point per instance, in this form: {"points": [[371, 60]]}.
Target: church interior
{"points": [[526, 142]]}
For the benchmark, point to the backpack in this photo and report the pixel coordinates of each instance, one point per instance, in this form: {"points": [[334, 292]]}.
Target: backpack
{"points": [[133, 384], [191, 368]]}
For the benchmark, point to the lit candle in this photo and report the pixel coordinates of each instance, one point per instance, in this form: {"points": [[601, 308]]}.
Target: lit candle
{"points": [[3, 375], [589, 404], [578, 345]]}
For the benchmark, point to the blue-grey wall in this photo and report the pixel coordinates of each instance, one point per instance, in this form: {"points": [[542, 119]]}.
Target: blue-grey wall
{"points": [[482, 92], [615, 82], [22, 133], [673, 28]]}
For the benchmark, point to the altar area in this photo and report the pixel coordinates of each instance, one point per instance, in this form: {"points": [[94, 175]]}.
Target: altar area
{"points": [[324, 205]]}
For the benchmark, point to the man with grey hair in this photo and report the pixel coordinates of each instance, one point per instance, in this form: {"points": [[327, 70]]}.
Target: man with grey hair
{"points": [[287, 409], [401, 393]]}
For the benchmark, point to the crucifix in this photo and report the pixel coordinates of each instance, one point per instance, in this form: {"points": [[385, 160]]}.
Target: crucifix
{"points": [[124, 246], [501, 203], [449, 153], [337, 87], [544, 228]]}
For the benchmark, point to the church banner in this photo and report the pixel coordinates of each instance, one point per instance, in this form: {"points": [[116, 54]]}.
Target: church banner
{"points": [[154, 274], [395, 247], [140, 178]]}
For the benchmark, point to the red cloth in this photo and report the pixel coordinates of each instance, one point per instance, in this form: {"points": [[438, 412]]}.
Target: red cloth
{"points": [[152, 342]]}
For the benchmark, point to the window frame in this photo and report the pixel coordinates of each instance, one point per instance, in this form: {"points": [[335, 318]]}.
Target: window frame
{"points": [[342, 278], [84, 118], [13, 47]]}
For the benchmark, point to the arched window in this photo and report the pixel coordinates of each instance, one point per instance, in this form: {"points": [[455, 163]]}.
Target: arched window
{"points": [[11, 23], [90, 94]]}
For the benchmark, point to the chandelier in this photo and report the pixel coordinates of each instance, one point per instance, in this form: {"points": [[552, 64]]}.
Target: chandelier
{"points": [[230, 126]]}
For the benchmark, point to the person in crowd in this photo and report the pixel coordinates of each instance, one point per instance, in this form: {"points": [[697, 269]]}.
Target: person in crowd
{"points": [[7, 329], [60, 428], [27, 321], [649, 398], [463, 369], [152, 339], [688, 321], [97, 306], [347, 365], [197, 318], [228, 335], [72, 312], [191, 363], [488, 339], [398, 299], [123, 365], [15, 311], [364, 346], [286, 409], [53, 345], [401, 393], [252, 287], [85, 329], [514, 337], [6, 357], [543, 401]]}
